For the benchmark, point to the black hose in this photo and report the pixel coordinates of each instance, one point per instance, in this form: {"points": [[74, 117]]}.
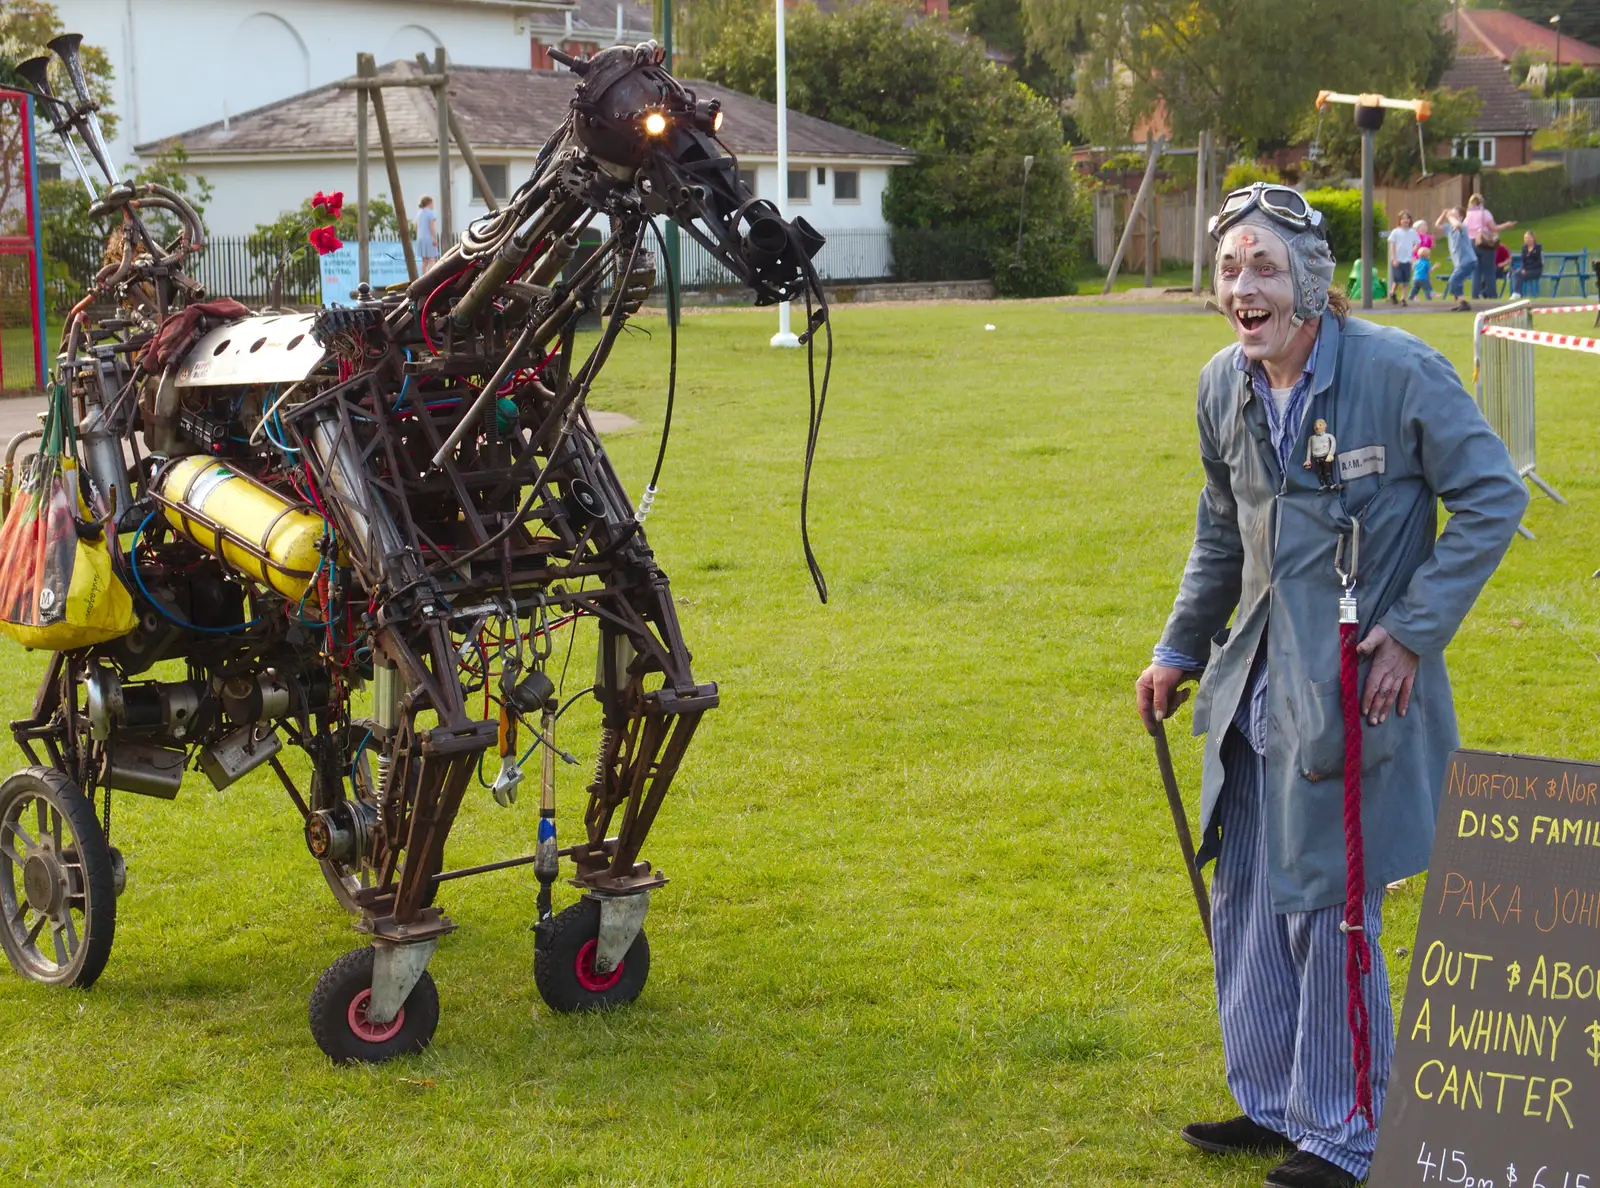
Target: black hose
{"points": [[672, 367]]}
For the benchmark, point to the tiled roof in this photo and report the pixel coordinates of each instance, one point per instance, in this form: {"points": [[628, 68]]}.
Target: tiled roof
{"points": [[1501, 34], [499, 108], [596, 20], [1504, 106]]}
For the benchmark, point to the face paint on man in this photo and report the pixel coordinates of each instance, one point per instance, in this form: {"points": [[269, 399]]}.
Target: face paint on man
{"points": [[1255, 288]]}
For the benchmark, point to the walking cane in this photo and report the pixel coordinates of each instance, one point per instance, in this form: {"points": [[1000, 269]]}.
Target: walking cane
{"points": [[1180, 819]]}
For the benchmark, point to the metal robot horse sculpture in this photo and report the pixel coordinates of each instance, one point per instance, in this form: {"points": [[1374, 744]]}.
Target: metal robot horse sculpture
{"points": [[405, 496]]}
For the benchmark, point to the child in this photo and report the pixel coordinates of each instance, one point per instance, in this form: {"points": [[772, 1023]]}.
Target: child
{"points": [[1422, 273], [1402, 246]]}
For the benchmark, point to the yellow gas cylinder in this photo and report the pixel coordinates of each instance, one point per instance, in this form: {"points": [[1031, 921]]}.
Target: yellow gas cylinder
{"points": [[249, 525]]}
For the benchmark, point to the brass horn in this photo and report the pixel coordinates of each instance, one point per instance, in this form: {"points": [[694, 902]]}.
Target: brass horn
{"points": [[36, 73], [67, 47]]}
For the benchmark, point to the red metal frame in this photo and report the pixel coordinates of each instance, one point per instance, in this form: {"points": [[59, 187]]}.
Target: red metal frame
{"points": [[28, 245]]}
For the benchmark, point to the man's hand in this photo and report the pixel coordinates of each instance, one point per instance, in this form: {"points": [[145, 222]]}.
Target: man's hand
{"points": [[1389, 680], [1157, 694]]}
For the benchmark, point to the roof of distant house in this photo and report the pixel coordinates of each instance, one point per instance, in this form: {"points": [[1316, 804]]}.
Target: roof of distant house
{"points": [[500, 108], [1501, 34], [596, 20], [1504, 106]]}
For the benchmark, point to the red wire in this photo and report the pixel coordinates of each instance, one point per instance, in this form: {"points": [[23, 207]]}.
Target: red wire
{"points": [[428, 300]]}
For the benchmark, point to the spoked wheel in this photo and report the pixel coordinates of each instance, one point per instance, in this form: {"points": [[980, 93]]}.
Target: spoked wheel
{"points": [[563, 964], [342, 1028], [58, 904]]}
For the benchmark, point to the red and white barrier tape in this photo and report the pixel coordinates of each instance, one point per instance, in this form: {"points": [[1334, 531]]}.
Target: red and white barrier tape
{"points": [[1569, 342], [1544, 309]]}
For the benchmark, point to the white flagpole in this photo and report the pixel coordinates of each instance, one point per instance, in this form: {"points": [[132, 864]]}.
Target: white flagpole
{"points": [[784, 337]]}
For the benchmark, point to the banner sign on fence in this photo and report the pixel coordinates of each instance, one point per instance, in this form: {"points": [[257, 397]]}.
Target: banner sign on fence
{"points": [[1496, 1078], [386, 265]]}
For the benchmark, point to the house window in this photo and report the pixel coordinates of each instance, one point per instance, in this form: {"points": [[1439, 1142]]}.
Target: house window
{"points": [[747, 179], [1475, 148], [495, 175], [846, 185], [49, 171], [822, 175], [799, 185]]}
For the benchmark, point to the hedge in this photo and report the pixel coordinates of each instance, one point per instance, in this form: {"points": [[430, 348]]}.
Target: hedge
{"points": [[1526, 191], [1341, 215]]}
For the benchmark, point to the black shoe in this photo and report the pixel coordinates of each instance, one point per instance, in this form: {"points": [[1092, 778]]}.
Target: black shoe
{"points": [[1237, 1136], [1305, 1170]]}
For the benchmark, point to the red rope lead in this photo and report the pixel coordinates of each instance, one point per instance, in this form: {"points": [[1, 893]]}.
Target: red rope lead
{"points": [[1358, 957]]}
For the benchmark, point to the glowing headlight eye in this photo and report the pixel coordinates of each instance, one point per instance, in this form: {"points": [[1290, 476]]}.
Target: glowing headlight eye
{"points": [[655, 123], [716, 123]]}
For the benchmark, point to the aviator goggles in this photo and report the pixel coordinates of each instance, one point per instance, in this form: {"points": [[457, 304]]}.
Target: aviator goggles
{"points": [[1279, 203]]}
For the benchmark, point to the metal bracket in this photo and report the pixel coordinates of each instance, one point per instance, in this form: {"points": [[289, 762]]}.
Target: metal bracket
{"points": [[396, 969], [621, 917]]}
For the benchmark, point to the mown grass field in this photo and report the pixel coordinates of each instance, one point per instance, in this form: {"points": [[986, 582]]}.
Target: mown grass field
{"points": [[927, 923]]}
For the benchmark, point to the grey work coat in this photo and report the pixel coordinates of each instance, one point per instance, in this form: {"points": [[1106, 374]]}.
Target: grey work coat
{"points": [[1408, 435]]}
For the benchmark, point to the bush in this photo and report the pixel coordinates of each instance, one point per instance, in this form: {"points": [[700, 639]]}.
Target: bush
{"points": [[1341, 216], [1246, 173], [1527, 191]]}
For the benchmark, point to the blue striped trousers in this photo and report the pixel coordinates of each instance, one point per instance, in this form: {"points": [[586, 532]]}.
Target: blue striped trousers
{"points": [[1281, 991]]}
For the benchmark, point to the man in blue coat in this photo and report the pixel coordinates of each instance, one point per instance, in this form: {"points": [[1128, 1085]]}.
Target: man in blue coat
{"points": [[1405, 436]]}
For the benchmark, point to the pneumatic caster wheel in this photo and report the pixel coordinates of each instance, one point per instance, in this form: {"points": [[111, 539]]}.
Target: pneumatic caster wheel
{"points": [[563, 963], [339, 1021], [58, 896]]}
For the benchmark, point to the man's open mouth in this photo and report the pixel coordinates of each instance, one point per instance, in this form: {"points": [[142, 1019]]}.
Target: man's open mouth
{"points": [[1253, 319]]}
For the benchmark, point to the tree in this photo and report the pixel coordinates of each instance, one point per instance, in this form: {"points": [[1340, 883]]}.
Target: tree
{"points": [[877, 68], [25, 28], [1245, 68]]}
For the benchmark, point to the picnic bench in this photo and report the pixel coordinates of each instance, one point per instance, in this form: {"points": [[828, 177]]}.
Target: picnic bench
{"points": [[1558, 267]]}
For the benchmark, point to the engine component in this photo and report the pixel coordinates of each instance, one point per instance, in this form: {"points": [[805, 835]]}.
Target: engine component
{"points": [[250, 526], [256, 698], [238, 754], [168, 707], [272, 349], [146, 770], [342, 833]]}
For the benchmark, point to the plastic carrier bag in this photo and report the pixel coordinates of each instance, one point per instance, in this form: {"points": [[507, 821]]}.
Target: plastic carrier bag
{"points": [[58, 590]]}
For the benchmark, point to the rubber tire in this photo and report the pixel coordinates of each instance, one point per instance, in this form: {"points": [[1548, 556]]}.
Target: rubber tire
{"points": [[100, 908], [338, 987], [555, 962]]}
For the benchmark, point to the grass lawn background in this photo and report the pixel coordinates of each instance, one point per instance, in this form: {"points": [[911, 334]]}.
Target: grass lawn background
{"points": [[927, 921]]}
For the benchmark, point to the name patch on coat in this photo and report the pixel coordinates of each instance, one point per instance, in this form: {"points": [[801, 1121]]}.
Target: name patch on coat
{"points": [[1360, 463]]}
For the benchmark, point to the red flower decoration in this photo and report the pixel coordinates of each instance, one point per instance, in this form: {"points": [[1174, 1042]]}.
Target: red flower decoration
{"points": [[332, 203], [324, 239]]}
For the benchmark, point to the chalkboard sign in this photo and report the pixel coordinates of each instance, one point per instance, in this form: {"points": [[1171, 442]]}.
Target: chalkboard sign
{"points": [[1496, 1082]]}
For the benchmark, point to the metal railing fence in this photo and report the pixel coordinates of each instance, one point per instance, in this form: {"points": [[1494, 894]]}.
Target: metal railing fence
{"points": [[1502, 375], [243, 267]]}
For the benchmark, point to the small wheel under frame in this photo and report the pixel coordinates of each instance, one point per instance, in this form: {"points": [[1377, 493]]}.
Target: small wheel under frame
{"points": [[58, 902]]}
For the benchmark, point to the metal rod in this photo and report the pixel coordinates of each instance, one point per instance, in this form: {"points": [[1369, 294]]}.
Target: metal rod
{"points": [[441, 100], [1180, 822], [505, 864], [387, 144], [1366, 218], [1201, 160], [363, 270]]}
